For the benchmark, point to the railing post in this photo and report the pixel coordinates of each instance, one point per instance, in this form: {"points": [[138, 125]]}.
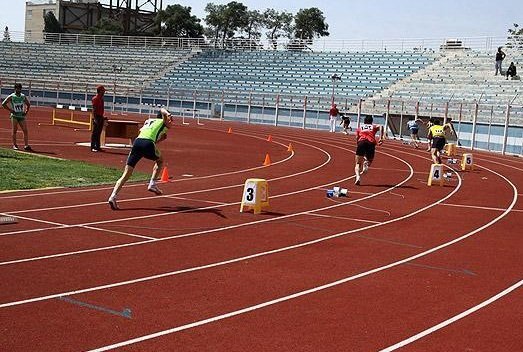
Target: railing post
{"points": [[222, 109], [505, 131], [359, 113], [304, 111], [474, 121], [387, 118], [249, 108], [277, 110]]}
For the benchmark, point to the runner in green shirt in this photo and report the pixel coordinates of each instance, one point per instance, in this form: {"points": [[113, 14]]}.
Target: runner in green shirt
{"points": [[154, 131], [18, 104]]}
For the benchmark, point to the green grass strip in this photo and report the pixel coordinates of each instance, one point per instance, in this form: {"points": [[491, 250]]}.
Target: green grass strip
{"points": [[29, 171]]}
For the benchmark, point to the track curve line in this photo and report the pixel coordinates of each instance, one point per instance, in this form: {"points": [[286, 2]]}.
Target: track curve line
{"points": [[318, 288]]}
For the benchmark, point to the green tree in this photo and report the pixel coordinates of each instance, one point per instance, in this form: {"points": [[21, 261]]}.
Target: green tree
{"points": [[51, 24], [278, 24], [310, 23], [254, 23], [106, 26], [515, 38], [225, 20], [177, 21]]}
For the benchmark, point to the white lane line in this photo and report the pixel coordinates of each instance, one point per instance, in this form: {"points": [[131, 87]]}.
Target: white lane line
{"points": [[312, 290], [478, 207], [343, 218], [119, 232], [453, 319], [177, 180], [230, 261], [210, 230]]}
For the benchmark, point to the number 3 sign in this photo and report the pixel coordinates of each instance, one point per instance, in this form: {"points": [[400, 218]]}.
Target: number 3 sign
{"points": [[255, 195]]}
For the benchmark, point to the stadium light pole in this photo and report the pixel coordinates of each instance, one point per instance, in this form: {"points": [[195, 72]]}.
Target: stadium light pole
{"points": [[116, 70], [334, 79]]}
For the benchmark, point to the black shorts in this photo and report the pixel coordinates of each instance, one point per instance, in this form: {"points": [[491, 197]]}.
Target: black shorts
{"points": [[142, 148], [414, 131], [438, 143], [366, 149]]}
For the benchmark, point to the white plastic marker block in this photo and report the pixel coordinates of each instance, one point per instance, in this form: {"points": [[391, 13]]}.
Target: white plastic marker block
{"points": [[255, 195], [436, 175]]}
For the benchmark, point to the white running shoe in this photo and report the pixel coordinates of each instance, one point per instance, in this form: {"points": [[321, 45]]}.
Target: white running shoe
{"points": [[113, 204], [358, 180], [365, 167], [155, 190]]}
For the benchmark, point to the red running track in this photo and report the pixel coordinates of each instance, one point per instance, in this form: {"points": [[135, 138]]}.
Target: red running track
{"points": [[397, 264]]}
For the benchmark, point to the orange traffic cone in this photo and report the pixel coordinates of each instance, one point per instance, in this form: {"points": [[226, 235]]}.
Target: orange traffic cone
{"points": [[269, 138], [289, 148], [267, 161], [230, 130], [165, 175]]}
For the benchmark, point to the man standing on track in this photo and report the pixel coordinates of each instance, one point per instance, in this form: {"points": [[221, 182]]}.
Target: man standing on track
{"points": [[98, 119], [333, 115], [18, 104], [154, 131], [366, 145]]}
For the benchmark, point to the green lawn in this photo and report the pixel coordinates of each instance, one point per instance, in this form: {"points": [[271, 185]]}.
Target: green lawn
{"points": [[29, 171]]}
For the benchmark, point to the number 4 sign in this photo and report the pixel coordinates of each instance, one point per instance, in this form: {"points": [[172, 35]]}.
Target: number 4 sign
{"points": [[255, 195], [436, 175]]}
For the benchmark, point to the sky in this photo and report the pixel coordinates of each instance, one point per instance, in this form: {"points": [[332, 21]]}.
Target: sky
{"points": [[365, 19]]}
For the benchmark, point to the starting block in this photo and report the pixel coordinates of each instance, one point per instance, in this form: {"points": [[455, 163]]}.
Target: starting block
{"points": [[467, 162], [450, 149], [436, 175], [255, 195]]}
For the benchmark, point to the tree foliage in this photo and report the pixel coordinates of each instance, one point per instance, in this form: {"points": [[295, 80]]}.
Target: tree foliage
{"points": [[225, 20], [177, 21], [515, 38], [310, 23], [51, 24], [107, 26], [278, 24]]}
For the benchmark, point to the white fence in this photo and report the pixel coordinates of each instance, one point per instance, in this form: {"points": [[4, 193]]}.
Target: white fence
{"points": [[478, 126], [320, 44]]}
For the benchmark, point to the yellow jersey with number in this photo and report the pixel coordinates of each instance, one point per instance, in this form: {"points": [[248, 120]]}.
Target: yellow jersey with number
{"points": [[437, 131]]}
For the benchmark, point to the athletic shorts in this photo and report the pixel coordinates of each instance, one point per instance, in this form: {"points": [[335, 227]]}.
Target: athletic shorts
{"points": [[18, 118], [438, 143], [414, 131], [142, 148], [366, 149]]}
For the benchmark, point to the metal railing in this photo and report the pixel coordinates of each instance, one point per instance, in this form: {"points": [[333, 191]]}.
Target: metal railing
{"points": [[320, 44], [478, 126]]}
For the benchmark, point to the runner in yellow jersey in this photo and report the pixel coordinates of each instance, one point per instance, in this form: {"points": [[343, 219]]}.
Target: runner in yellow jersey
{"points": [[437, 133], [154, 131]]}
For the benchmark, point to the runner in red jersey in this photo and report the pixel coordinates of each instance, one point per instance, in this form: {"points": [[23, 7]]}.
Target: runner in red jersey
{"points": [[366, 145]]}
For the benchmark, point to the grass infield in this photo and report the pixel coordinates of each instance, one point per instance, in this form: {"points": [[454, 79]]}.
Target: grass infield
{"points": [[29, 171]]}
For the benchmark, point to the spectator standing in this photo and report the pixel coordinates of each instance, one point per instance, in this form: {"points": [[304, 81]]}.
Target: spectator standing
{"points": [[500, 55], [511, 71], [154, 131], [98, 118], [333, 115], [18, 105]]}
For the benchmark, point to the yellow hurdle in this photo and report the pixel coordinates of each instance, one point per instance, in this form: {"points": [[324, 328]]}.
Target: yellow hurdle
{"points": [[255, 195], [70, 119], [467, 162], [436, 175]]}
